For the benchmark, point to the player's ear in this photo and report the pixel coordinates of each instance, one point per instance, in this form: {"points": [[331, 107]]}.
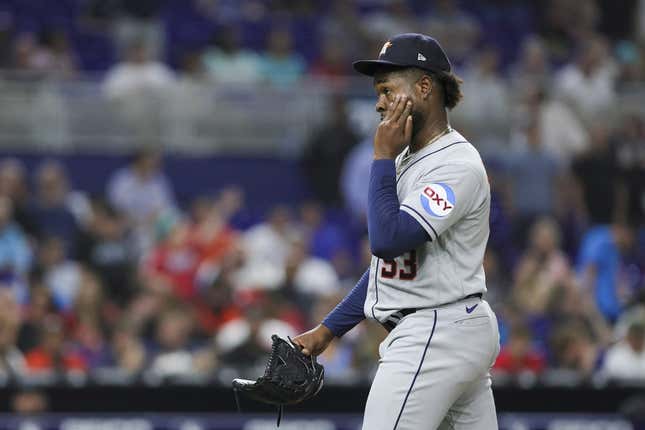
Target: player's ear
{"points": [[424, 86]]}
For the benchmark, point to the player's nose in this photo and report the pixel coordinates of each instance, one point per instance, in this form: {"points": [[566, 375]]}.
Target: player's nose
{"points": [[381, 105]]}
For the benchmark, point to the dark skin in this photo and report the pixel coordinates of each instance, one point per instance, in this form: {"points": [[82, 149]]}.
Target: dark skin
{"points": [[411, 114]]}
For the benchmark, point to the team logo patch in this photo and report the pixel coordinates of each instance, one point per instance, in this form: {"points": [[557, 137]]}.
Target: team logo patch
{"points": [[438, 199], [386, 45]]}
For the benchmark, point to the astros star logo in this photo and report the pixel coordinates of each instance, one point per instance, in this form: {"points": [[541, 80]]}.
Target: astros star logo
{"points": [[385, 47]]}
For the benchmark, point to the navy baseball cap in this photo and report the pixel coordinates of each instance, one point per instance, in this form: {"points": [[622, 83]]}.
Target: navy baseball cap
{"points": [[407, 50]]}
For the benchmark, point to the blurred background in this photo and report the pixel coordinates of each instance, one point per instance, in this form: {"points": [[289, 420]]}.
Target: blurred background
{"points": [[179, 179]]}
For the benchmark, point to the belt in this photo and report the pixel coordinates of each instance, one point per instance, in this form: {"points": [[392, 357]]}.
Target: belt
{"points": [[397, 316]]}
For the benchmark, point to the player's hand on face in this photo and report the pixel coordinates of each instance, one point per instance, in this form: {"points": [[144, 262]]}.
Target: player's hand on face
{"points": [[314, 341], [395, 130]]}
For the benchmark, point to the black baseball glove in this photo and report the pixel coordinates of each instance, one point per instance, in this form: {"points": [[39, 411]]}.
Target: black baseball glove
{"points": [[290, 377]]}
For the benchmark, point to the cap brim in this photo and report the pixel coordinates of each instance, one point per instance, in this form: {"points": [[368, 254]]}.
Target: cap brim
{"points": [[370, 67]]}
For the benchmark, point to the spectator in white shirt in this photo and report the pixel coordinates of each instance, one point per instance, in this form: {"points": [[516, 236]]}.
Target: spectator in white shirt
{"points": [[142, 193], [137, 74], [588, 83], [625, 361], [138, 87]]}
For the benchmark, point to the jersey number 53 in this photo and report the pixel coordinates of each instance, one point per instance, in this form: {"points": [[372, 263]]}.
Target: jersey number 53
{"points": [[390, 268]]}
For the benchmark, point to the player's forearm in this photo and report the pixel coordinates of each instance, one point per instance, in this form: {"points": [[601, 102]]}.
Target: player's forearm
{"points": [[392, 232], [349, 311]]}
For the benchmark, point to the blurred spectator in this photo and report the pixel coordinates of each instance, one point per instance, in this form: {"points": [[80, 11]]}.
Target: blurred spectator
{"points": [[332, 62], [191, 108], [280, 64], [266, 248], [35, 313], [25, 48], [137, 76], [518, 355], [128, 355], [227, 62], [61, 275], [326, 151], [532, 68], [395, 17], [6, 36], [218, 302], [630, 63], [173, 355], [625, 361], [171, 266], [15, 252], [588, 83], [498, 282], [566, 23], [570, 305], [356, 168], [243, 342], [631, 159], [535, 175], [13, 185], [456, 30], [575, 352], [54, 355], [599, 178], [212, 237], [487, 96], [326, 237], [104, 246], [310, 278], [139, 20], [56, 209], [136, 87], [90, 317], [342, 24], [563, 134], [54, 56], [542, 269], [12, 362], [601, 266], [142, 192]]}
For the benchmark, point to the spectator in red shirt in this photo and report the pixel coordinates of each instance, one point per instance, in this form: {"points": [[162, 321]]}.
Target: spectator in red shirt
{"points": [[172, 265], [518, 355], [54, 355]]}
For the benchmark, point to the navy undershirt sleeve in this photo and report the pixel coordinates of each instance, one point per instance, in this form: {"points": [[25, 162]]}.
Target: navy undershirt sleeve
{"points": [[349, 311], [391, 231]]}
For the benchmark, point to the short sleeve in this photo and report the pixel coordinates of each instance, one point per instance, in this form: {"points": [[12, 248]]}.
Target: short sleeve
{"points": [[444, 196]]}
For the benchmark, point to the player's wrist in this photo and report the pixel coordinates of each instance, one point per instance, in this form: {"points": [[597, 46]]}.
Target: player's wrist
{"points": [[326, 332], [382, 155]]}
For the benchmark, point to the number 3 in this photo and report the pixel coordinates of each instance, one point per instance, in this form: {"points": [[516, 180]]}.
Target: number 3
{"points": [[409, 270]]}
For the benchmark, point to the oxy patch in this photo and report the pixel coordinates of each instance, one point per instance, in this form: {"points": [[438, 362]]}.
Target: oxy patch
{"points": [[438, 199]]}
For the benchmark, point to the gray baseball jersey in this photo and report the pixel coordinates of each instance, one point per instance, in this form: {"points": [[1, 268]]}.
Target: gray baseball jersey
{"points": [[444, 186], [433, 367]]}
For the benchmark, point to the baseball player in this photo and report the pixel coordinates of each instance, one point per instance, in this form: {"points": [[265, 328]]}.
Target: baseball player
{"points": [[428, 215]]}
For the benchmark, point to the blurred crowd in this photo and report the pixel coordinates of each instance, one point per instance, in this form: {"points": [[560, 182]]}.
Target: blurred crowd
{"points": [[133, 285], [147, 44]]}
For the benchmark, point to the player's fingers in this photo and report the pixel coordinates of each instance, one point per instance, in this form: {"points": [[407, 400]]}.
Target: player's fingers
{"points": [[399, 108], [407, 109], [407, 132], [389, 115]]}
